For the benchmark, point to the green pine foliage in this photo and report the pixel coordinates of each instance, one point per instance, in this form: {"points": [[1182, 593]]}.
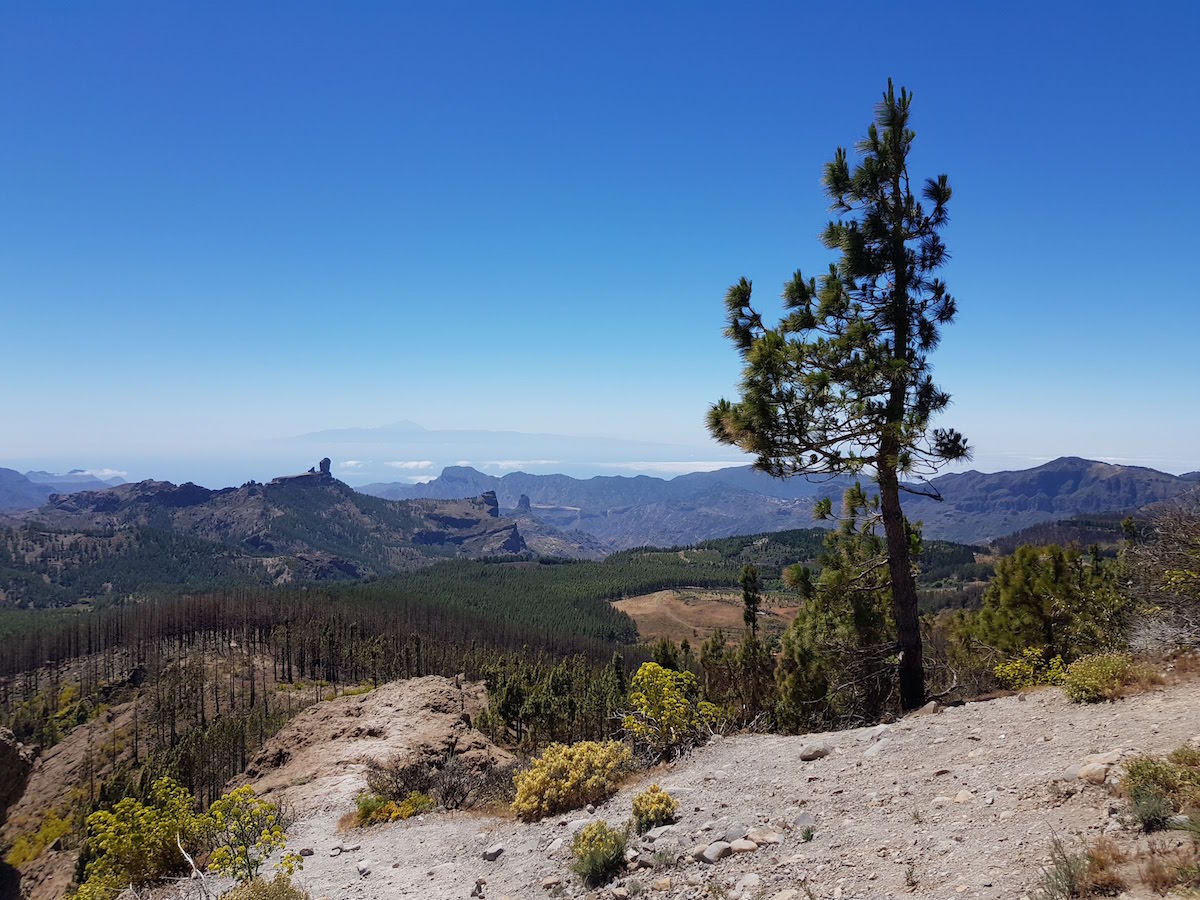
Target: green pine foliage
{"points": [[1058, 600], [837, 659], [843, 383]]}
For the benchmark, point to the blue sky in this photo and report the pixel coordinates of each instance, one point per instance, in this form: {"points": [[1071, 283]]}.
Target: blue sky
{"points": [[226, 223]]}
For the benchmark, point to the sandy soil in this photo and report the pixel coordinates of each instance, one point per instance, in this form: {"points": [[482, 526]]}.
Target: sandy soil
{"points": [[959, 804], [696, 614]]}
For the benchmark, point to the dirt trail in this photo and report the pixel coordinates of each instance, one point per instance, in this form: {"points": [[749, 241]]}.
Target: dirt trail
{"points": [[959, 804]]}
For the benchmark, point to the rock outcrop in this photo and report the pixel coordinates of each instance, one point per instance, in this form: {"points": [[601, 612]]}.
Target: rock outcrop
{"points": [[16, 762]]}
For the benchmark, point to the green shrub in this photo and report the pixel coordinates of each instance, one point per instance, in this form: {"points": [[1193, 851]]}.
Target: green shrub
{"points": [[368, 807], [653, 807], [278, 888], [599, 853], [1152, 810], [568, 776], [1067, 875], [1175, 779], [376, 810], [29, 847], [1104, 676]]}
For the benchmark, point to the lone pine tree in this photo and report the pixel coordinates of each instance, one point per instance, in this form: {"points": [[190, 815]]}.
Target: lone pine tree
{"points": [[842, 383]]}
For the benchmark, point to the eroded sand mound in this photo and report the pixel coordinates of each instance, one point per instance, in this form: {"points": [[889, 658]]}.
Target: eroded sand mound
{"points": [[317, 760]]}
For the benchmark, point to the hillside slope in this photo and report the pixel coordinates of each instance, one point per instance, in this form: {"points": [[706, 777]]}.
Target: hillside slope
{"points": [[960, 804]]}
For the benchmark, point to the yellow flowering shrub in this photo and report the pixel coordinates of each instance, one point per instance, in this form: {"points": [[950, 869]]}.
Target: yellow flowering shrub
{"points": [[244, 830], [1030, 669], [653, 807], [568, 776], [599, 852], [135, 843], [666, 713]]}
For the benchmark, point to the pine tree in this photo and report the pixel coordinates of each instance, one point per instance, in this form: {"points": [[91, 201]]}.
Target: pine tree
{"points": [[842, 384]]}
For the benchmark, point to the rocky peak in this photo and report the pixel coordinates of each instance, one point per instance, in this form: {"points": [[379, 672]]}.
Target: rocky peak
{"points": [[318, 474], [492, 504]]}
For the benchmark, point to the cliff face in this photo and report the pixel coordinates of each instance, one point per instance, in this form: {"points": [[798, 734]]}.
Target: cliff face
{"points": [[16, 762]]}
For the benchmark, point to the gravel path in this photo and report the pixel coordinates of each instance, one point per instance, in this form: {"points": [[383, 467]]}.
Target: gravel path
{"points": [[958, 804]]}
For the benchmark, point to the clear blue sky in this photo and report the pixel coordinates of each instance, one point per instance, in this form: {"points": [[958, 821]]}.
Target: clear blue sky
{"points": [[226, 222]]}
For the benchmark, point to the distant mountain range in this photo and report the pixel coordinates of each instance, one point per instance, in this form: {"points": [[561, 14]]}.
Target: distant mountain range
{"points": [[624, 512], [32, 489], [131, 537], [305, 527]]}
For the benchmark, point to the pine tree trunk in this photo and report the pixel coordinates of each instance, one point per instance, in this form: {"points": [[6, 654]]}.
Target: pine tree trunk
{"points": [[904, 592]]}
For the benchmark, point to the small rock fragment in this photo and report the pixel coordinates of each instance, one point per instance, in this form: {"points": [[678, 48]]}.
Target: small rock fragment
{"points": [[735, 832], [1093, 773], [715, 851], [762, 836], [492, 853]]}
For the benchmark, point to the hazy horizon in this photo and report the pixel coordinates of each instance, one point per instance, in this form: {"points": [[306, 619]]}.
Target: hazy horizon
{"points": [[226, 225], [419, 455]]}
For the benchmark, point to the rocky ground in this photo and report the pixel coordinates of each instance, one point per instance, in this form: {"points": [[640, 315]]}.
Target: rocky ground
{"points": [[962, 803]]}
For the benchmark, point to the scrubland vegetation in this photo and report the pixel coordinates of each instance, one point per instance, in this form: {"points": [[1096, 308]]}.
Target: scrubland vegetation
{"points": [[201, 681]]}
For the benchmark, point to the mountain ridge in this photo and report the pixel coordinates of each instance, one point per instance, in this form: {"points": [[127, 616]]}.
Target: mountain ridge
{"points": [[628, 511], [309, 526]]}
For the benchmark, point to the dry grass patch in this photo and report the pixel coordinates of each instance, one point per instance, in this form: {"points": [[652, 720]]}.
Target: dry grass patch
{"points": [[695, 614], [1164, 866]]}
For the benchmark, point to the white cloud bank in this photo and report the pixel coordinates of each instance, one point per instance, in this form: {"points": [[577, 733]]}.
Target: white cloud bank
{"points": [[673, 467], [106, 473], [411, 465], [513, 464]]}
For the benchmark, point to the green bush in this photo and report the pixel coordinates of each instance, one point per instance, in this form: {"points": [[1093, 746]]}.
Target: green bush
{"points": [[244, 830], [653, 807], [1152, 810], [376, 810], [1176, 780], [568, 776], [29, 847], [599, 853], [1104, 676]]}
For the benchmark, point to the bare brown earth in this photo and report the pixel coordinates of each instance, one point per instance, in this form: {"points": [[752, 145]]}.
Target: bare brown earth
{"points": [[959, 804], [694, 614]]}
